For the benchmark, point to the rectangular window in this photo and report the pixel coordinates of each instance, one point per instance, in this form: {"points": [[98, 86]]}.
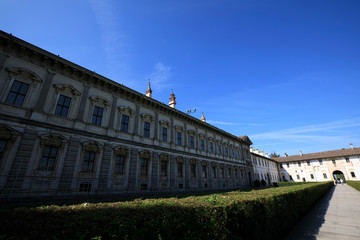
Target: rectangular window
{"points": [[120, 164], [88, 165], [124, 127], [211, 147], [202, 145], [164, 134], [17, 93], [333, 161], [232, 153], [204, 174], [353, 174], [2, 147], [219, 150], [347, 159], [97, 115], [63, 106], [144, 167], [214, 172], [299, 164], [163, 171], [229, 172], [178, 138], [312, 176], [325, 176], [180, 169], [298, 176], [308, 163], [193, 170], [226, 151], [222, 172], [236, 173], [48, 158], [85, 187], [146, 129], [192, 142], [288, 165], [320, 162]]}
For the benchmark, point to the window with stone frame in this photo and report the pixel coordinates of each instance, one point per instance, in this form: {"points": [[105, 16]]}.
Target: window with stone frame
{"points": [[219, 149], [164, 134], [65, 96], [191, 142], [202, 144], [180, 169], [222, 171], [213, 171], [232, 153], [312, 176], [320, 162], [144, 162], [178, 136], [146, 129], [226, 151], [63, 105], [236, 173], [347, 159], [204, 171], [353, 174], [193, 170], [99, 106], [124, 126], [48, 158], [3, 144], [298, 176], [17, 93], [163, 168], [211, 147], [97, 115], [8, 136], [325, 176], [90, 153], [229, 172], [119, 164]]}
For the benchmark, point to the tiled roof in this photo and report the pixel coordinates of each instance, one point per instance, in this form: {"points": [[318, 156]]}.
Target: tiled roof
{"points": [[320, 155]]}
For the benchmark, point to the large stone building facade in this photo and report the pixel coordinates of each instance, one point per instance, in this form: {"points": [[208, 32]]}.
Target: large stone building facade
{"points": [[264, 167], [321, 166], [67, 131]]}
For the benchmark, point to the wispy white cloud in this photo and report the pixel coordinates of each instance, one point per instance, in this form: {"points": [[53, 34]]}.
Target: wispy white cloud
{"points": [[234, 123], [220, 122], [336, 131], [160, 77]]}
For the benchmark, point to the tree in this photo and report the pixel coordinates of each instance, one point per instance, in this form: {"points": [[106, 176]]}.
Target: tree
{"points": [[274, 155]]}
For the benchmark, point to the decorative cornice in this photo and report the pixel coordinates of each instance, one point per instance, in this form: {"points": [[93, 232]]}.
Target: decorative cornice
{"points": [[127, 110], [63, 87], [100, 99]]}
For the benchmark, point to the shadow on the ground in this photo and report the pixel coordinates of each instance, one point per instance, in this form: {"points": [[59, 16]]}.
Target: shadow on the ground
{"points": [[308, 227]]}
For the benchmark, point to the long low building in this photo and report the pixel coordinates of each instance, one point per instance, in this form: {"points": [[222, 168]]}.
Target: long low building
{"points": [[67, 131], [321, 166]]}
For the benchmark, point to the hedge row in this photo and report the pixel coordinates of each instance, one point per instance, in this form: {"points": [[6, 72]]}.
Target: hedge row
{"points": [[284, 184], [257, 214], [354, 184]]}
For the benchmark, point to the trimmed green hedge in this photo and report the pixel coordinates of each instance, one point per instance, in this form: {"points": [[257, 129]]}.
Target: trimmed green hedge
{"points": [[354, 184], [257, 214], [284, 184]]}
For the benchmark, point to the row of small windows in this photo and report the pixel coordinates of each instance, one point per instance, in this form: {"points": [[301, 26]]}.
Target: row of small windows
{"points": [[309, 164]]}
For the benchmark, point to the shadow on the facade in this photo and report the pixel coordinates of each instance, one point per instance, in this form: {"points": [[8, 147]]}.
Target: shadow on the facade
{"points": [[308, 227]]}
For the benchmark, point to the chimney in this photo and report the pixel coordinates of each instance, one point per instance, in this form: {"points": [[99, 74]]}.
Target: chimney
{"points": [[256, 150], [251, 149], [172, 102], [267, 155], [300, 153], [351, 146], [149, 91], [285, 154], [261, 153], [202, 117]]}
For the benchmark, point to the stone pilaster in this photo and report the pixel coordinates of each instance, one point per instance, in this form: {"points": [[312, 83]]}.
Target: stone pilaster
{"points": [[112, 113], [83, 100], [133, 171], [210, 175], [187, 173], [155, 171], [199, 177], [156, 133], [67, 174], [173, 172], [137, 119], [104, 168], [44, 92]]}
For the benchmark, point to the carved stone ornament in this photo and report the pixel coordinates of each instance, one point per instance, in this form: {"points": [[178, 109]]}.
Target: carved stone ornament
{"points": [[221, 165], [24, 74], [164, 123], [211, 139], [179, 128], [165, 157], [179, 159], [147, 116], [191, 132], [202, 136], [213, 164], [126, 110], [99, 99], [145, 154], [204, 163], [64, 87], [7, 133], [193, 161], [91, 147], [55, 140], [122, 151]]}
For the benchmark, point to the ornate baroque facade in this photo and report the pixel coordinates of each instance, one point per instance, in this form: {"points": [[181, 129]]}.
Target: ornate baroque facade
{"points": [[67, 131]]}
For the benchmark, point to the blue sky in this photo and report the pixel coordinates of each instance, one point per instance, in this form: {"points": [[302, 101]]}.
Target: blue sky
{"points": [[285, 73]]}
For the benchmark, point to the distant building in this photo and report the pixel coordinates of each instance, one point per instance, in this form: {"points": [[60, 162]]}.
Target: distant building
{"points": [[67, 131], [264, 167], [321, 166]]}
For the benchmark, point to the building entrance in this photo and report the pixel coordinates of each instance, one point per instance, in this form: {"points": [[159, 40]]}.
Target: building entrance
{"points": [[338, 175]]}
